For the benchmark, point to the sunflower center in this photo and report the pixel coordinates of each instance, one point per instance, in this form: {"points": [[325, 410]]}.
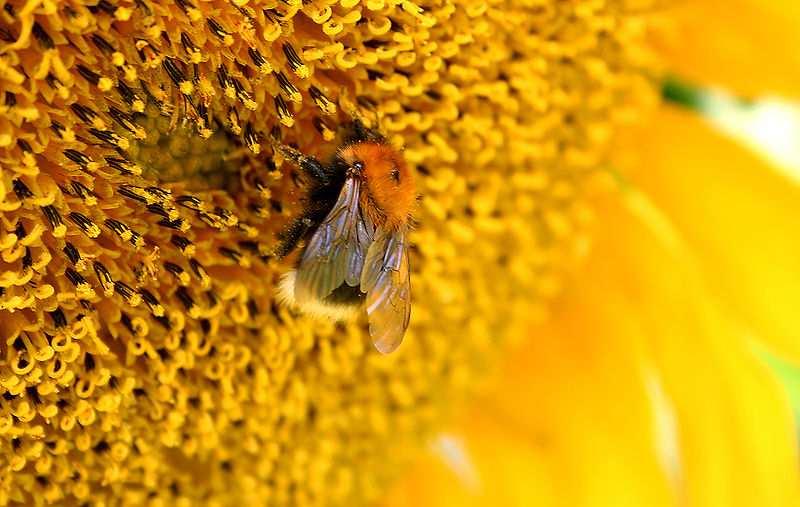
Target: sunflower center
{"points": [[176, 153]]}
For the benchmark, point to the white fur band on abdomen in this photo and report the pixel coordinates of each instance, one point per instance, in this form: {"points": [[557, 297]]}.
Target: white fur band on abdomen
{"points": [[314, 307]]}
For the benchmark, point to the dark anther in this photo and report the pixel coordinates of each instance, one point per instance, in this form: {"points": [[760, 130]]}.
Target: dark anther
{"points": [[44, 39], [88, 362], [241, 93], [77, 157], [102, 44], [434, 95], [103, 275], [58, 128], [185, 5], [197, 268], [24, 145], [257, 58], [22, 190], [187, 43], [81, 190], [19, 344], [173, 268], [127, 94], [123, 289], [173, 71], [126, 321], [80, 220], [86, 114], [127, 191], [176, 224], [148, 298], [121, 165], [285, 84], [158, 193], [184, 297], [216, 28], [105, 135], [189, 201], [291, 56], [252, 308], [19, 230], [116, 226], [374, 43], [107, 6], [72, 253], [59, 319], [222, 76], [181, 242], [282, 108], [75, 277], [157, 209], [251, 138], [89, 75], [27, 259], [250, 246], [33, 394], [231, 254], [101, 447]]}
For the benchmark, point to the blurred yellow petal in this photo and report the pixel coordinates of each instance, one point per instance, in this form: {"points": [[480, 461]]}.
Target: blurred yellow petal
{"points": [[734, 424], [637, 392], [569, 423], [747, 46], [738, 215]]}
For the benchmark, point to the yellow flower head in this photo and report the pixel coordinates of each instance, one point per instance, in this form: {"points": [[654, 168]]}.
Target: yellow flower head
{"points": [[142, 355]]}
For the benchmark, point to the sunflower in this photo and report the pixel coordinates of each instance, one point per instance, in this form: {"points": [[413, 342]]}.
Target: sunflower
{"points": [[654, 381], [144, 358]]}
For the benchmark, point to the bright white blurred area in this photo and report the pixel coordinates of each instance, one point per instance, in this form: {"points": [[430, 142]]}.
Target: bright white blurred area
{"points": [[769, 126], [451, 451]]}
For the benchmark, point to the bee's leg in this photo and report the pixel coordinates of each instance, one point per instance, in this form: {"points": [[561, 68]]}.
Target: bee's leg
{"points": [[311, 166], [292, 234]]}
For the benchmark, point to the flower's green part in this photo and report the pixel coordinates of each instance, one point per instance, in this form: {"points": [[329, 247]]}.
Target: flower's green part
{"points": [[679, 92], [142, 357]]}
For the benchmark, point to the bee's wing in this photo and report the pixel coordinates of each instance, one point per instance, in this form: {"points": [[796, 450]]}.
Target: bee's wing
{"points": [[386, 279], [335, 254]]}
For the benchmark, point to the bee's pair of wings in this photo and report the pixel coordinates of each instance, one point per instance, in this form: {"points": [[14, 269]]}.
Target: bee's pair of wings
{"points": [[348, 248]]}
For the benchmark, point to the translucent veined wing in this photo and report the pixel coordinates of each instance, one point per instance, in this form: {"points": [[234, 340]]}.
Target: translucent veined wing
{"points": [[386, 279], [335, 254]]}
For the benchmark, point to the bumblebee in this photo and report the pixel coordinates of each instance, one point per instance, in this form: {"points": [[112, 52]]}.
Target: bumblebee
{"points": [[355, 234]]}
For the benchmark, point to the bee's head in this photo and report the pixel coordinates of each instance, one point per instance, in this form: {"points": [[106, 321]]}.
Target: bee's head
{"points": [[355, 168], [389, 181]]}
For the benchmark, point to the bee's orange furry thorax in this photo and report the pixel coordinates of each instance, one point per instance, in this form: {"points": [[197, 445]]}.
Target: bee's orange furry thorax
{"points": [[389, 182]]}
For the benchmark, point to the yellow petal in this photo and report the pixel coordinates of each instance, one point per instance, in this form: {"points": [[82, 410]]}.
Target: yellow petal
{"points": [[638, 392], [738, 215], [733, 420], [748, 46], [570, 422]]}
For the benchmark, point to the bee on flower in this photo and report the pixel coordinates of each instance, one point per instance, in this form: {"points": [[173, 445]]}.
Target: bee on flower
{"points": [[354, 228]]}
